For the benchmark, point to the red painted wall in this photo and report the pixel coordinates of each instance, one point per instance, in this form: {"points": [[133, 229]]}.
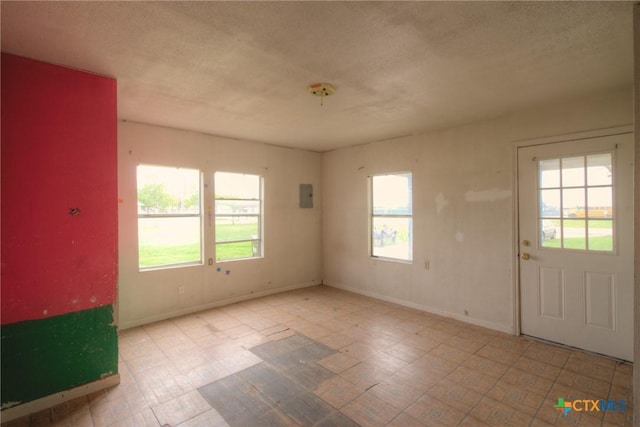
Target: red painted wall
{"points": [[59, 152]]}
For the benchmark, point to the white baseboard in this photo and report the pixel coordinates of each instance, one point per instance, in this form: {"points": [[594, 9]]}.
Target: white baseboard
{"points": [[194, 309], [55, 399], [472, 320]]}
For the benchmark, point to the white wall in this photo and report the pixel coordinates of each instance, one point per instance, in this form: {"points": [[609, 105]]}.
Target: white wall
{"points": [[463, 184], [292, 236]]}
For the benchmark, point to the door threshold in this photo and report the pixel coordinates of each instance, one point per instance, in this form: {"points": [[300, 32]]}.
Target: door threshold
{"points": [[569, 347]]}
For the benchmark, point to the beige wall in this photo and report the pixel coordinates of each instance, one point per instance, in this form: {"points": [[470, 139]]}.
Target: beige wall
{"points": [[463, 186], [292, 236], [463, 215]]}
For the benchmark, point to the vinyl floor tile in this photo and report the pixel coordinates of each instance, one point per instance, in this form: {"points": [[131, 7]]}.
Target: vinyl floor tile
{"points": [[324, 357]]}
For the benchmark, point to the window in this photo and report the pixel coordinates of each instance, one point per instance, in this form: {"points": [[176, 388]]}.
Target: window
{"points": [[391, 216], [238, 211], [169, 221], [575, 197]]}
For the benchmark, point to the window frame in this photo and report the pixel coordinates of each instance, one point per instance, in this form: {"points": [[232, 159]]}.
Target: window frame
{"points": [[373, 216], [257, 243], [199, 215]]}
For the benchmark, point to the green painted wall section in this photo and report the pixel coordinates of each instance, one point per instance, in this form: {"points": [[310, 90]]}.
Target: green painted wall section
{"points": [[43, 357]]}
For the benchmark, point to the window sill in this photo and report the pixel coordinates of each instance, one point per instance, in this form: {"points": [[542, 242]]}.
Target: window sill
{"points": [[171, 266], [222, 261], [398, 260]]}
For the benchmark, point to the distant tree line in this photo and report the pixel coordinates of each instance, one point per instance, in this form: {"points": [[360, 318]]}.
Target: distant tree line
{"points": [[155, 197]]}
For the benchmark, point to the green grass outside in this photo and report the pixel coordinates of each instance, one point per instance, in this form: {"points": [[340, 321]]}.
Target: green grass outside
{"points": [[600, 243], [226, 251], [596, 243], [226, 232], [161, 255], [154, 256]]}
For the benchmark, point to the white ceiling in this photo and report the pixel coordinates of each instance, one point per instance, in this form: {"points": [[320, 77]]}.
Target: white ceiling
{"points": [[240, 69]]}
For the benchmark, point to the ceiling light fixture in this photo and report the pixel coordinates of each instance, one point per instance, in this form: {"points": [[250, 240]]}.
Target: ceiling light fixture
{"points": [[321, 90]]}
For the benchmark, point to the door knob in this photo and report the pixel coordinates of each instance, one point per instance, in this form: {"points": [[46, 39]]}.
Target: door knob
{"points": [[525, 256]]}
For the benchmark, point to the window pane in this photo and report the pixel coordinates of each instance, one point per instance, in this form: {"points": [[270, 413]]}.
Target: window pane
{"points": [[227, 251], [573, 234], [168, 190], [549, 173], [599, 169], [392, 238], [573, 171], [237, 228], [600, 202], [229, 207], [601, 235], [550, 203], [573, 203], [237, 186], [167, 241], [392, 194], [238, 210], [549, 233]]}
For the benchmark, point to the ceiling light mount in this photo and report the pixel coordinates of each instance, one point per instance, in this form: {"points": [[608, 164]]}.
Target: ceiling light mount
{"points": [[321, 90]]}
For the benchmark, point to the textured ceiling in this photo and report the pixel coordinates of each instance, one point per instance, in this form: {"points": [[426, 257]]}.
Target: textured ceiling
{"points": [[240, 69]]}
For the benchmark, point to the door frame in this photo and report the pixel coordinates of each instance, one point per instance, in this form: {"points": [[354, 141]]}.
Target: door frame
{"points": [[515, 244]]}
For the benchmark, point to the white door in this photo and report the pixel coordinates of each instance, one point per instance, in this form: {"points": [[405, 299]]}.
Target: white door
{"points": [[575, 203]]}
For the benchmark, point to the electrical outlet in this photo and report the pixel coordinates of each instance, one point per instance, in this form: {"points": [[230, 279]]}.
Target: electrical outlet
{"points": [[180, 290]]}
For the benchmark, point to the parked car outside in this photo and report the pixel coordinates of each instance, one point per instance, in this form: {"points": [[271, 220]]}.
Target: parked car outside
{"points": [[548, 231]]}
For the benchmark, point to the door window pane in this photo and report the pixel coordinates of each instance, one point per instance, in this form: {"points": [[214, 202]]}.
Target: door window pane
{"points": [[600, 202], [574, 234], [573, 172], [550, 233], [599, 170], [549, 203], [601, 235], [575, 203], [549, 173]]}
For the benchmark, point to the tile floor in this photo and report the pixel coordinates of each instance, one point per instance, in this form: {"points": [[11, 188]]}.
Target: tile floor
{"points": [[324, 357]]}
